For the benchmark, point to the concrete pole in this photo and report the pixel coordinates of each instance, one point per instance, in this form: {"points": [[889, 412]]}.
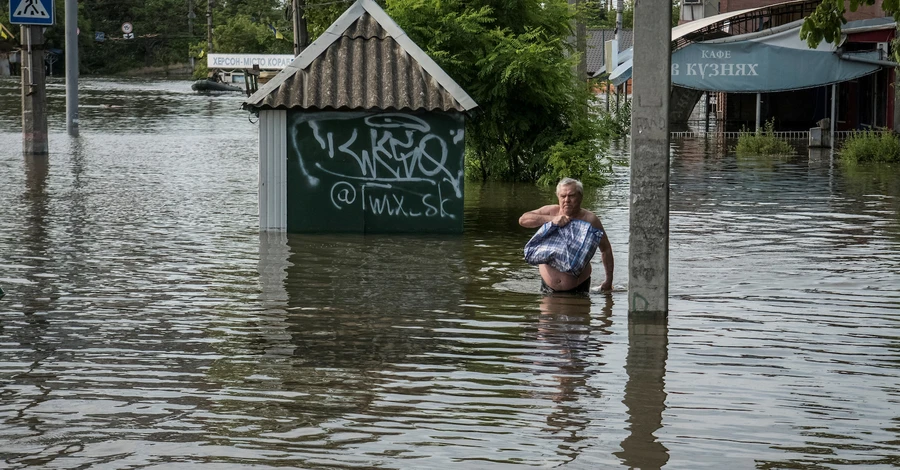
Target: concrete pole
{"points": [[579, 42], [620, 7], [72, 67], [34, 92], [648, 257]]}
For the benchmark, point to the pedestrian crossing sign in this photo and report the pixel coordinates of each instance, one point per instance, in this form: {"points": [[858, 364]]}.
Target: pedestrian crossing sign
{"points": [[37, 12]]}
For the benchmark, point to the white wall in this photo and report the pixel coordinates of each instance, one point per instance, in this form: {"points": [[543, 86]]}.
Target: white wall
{"points": [[273, 170]]}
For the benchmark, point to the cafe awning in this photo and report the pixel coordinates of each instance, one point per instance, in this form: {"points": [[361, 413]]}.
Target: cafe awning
{"points": [[768, 61]]}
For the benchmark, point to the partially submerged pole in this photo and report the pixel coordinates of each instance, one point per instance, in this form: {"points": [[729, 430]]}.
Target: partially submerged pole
{"points": [[72, 67], [648, 257], [34, 92]]}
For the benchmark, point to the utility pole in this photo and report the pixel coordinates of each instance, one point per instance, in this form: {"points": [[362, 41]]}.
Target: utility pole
{"points": [[580, 42], [34, 92], [72, 67], [301, 34], [209, 44], [191, 17], [620, 7], [648, 254]]}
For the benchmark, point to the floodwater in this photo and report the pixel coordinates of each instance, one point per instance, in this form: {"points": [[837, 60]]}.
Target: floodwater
{"points": [[147, 324]]}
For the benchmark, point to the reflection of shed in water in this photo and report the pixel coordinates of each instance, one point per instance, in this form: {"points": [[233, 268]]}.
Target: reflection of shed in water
{"points": [[362, 132]]}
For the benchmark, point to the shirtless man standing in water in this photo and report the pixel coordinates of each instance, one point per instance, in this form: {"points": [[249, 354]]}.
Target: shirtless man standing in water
{"points": [[570, 192]]}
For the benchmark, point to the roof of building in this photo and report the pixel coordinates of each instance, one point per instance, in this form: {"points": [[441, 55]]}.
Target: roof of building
{"points": [[596, 38], [363, 61]]}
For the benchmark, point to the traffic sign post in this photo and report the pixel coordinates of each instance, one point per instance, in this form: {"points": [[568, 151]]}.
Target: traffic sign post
{"points": [[31, 12], [33, 15], [34, 93]]}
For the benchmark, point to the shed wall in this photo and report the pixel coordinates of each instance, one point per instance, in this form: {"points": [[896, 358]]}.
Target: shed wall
{"points": [[272, 170], [375, 172]]}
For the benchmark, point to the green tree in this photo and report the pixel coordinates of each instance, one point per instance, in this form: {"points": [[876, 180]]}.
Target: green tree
{"points": [[513, 58], [597, 16], [825, 23], [241, 34]]}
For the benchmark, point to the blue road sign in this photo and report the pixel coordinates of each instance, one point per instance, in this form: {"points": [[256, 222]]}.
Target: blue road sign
{"points": [[38, 12]]}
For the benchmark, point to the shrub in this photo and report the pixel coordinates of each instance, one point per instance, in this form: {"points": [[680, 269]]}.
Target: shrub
{"points": [[871, 146], [616, 123], [763, 142]]}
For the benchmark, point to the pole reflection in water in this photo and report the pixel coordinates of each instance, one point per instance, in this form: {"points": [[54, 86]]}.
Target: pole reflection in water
{"points": [[645, 395], [564, 330], [36, 238], [33, 298]]}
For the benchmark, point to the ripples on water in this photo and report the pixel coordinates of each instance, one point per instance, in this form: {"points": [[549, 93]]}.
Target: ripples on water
{"points": [[147, 324]]}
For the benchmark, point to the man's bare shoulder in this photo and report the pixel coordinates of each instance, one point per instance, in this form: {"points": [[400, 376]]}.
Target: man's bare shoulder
{"points": [[550, 209], [590, 217]]}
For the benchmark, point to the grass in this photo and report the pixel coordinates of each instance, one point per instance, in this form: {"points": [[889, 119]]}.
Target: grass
{"points": [[871, 146], [763, 142]]}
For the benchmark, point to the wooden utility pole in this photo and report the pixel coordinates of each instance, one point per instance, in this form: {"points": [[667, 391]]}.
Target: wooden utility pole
{"points": [[34, 91]]}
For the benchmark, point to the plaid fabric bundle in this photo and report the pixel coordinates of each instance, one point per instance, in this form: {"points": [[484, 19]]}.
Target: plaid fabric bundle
{"points": [[568, 248]]}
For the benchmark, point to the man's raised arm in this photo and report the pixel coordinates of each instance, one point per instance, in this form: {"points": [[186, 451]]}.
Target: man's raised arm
{"points": [[538, 217]]}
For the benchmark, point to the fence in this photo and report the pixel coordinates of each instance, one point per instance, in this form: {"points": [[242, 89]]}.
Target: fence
{"points": [[799, 135]]}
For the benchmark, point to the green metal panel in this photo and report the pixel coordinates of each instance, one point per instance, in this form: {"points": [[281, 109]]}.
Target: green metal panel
{"points": [[375, 172]]}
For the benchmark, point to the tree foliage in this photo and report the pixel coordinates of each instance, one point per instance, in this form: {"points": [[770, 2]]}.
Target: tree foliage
{"points": [[825, 23], [513, 58], [597, 16]]}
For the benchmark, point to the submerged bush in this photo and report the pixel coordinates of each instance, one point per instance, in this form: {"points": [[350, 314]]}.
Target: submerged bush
{"points": [[871, 146], [763, 142], [617, 122]]}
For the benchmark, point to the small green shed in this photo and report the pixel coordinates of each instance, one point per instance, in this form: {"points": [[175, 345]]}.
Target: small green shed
{"points": [[362, 132]]}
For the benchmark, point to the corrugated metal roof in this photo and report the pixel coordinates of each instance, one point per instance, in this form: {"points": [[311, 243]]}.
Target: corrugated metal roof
{"points": [[363, 62]]}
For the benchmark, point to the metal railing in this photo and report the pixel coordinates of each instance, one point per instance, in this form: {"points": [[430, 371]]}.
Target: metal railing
{"points": [[735, 134]]}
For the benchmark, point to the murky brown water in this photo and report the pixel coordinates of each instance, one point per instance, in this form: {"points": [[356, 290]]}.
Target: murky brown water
{"points": [[147, 324]]}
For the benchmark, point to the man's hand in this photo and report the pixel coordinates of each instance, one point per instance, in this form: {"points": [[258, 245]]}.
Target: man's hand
{"points": [[606, 286], [561, 220]]}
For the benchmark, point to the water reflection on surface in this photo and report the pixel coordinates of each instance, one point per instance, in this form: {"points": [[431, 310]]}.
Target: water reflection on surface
{"points": [[147, 324]]}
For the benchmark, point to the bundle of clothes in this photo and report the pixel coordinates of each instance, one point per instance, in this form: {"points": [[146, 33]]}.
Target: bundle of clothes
{"points": [[567, 249]]}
